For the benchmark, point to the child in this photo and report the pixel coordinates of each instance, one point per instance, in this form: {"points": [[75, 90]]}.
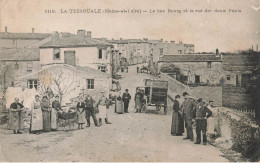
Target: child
{"points": [[80, 113]]}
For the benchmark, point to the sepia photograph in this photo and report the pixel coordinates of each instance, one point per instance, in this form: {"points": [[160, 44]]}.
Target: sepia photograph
{"points": [[129, 81]]}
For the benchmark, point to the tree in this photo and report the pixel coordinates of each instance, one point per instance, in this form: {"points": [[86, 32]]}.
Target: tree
{"points": [[62, 82]]}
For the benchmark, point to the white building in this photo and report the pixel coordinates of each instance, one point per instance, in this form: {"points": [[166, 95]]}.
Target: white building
{"points": [[77, 50]]}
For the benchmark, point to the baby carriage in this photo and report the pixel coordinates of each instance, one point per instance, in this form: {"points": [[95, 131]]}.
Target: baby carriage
{"points": [[67, 119]]}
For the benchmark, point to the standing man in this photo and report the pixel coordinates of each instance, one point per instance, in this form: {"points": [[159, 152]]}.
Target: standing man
{"points": [[126, 99], [90, 111], [16, 117], [137, 69], [188, 107], [202, 113], [102, 105]]}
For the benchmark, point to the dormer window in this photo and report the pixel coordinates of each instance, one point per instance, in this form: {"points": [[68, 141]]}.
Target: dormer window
{"points": [[56, 53]]}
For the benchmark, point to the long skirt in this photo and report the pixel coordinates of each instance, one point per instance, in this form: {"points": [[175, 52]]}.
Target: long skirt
{"points": [[211, 125], [80, 116], [36, 120], [102, 112], [54, 118], [138, 104], [16, 120], [177, 123], [46, 116], [119, 107]]}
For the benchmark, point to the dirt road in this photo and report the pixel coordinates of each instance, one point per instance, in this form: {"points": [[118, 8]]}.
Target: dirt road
{"points": [[130, 137]]}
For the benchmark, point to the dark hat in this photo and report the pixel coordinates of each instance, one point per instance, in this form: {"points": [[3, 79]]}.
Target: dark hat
{"points": [[177, 96], [185, 94], [126, 90], [45, 97], [199, 100]]}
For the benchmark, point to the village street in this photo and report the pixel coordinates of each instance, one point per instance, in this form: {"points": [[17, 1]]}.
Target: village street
{"points": [[130, 137]]}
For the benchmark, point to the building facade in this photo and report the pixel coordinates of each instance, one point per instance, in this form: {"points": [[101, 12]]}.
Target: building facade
{"points": [[77, 50], [194, 69]]}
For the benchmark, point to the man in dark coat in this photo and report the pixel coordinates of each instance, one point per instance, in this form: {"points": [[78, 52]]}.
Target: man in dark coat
{"points": [[89, 102], [126, 99], [201, 115], [188, 107]]}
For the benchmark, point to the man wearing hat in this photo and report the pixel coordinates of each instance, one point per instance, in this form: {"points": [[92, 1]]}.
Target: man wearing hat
{"points": [[126, 99], [188, 107], [202, 113]]}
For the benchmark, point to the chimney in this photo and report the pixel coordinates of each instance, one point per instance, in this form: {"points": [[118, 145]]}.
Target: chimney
{"points": [[81, 33], [217, 52], [5, 29], [112, 39], [88, 34], [64, 34], [161, 40], [54, 35], [32, 30], [172, 41], [121, 39]]}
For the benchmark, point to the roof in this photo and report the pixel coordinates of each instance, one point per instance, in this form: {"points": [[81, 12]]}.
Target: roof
{"points": [[190, 58], [85, 71], [33, 36], [75, 41], [126, 41], [24, 54]]}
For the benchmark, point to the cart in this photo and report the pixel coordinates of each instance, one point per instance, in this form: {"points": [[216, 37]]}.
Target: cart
{"points": [[67, 120], [155, 94]]}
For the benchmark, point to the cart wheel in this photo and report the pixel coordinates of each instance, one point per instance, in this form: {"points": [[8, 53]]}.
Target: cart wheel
{"points": [[165, 110], [158, 107]]}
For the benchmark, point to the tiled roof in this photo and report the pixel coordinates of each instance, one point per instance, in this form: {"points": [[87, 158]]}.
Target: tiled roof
{"points": [[85, 71], [75, 41], [39, 36], [24, 54], [190, 58]]}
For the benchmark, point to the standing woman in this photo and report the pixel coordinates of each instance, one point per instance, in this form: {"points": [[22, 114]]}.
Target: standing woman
{"points": [[80, 113], [119, 105], [16, 117], [46, 114], [36, 117], [54, 113], [177, 120]]}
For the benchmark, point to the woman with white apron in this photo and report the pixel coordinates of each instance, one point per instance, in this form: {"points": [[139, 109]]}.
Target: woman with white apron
{"points": [[36, 116]]}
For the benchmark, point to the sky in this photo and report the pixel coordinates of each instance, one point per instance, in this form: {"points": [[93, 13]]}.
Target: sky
{"points": [[227, 31]]}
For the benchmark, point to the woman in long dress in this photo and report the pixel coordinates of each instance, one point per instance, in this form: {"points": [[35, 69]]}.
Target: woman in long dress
{"points": [[119, 105], [138, 101], [54, 113], [177, 121], [80, 113], [46, 115], [36, 116], [212, 126], [16, 117]]}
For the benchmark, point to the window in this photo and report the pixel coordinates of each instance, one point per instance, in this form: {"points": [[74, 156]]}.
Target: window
{"points": [[90, 83], [100, 54], [228, 77], [102, 68], [197, 79], [208, 64], [32, 83], [179, 51], [16, 66], [29, 66], [56, 53], [161, 51]]}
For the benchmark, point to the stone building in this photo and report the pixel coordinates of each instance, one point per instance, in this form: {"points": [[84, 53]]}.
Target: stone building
{"points": [[77, 50], [17, 62], [195, 69], [241, 80], [20, 40]]}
